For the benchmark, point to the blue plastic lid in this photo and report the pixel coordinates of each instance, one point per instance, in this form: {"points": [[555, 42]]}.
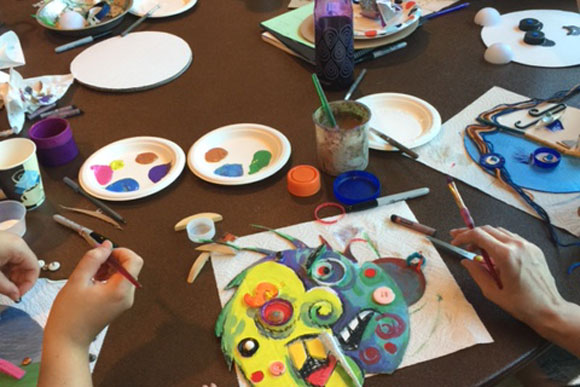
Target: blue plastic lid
{"points": [[356, 186]]}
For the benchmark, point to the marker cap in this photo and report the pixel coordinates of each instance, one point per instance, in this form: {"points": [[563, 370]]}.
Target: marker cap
{"points": [[303, 180]]}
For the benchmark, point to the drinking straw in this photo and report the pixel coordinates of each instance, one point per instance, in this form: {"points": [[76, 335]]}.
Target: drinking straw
{"points": [[323, 100]]}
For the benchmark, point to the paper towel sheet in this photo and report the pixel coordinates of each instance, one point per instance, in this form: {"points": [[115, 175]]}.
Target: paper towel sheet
{"points": [[446, 153], [442, 321]]}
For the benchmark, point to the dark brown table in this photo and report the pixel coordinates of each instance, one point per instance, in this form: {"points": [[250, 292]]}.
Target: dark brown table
{"points": [[167, 338]]}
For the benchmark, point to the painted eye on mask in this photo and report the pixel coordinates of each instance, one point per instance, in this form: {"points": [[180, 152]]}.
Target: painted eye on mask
{"points": [[248, 347], [276, 312], [328, 271]]}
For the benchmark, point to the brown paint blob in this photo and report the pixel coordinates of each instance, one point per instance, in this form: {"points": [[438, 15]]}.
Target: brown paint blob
{"points": [[146, 158], [215, 154]]}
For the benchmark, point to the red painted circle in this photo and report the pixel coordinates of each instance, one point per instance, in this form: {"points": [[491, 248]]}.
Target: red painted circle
{"points": [[257, 376], [276, 312], [391, 348], [370, 273]]}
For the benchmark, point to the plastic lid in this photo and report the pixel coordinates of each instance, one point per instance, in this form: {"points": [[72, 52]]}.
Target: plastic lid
{"points": [[303, 180], [356, 186]]}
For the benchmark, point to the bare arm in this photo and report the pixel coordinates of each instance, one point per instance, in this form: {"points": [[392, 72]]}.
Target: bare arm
{"points": [[530, 293], [81, 310]]}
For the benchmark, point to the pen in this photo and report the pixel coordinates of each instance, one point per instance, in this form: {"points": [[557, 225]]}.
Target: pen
{"points": [[413, 225], [75, 187], [454, 249], [57, 111], [95, 239], [140, 20], [381, 52], [445, 11], [468, 220], [415, 193], [80, 42], [394, 143], [355, 84]]}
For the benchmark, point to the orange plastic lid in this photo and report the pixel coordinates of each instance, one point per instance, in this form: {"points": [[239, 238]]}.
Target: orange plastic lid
{"points": [[303, 180]]}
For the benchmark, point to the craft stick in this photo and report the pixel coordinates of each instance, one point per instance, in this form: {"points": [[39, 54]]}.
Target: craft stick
{"points": [[559, 148], [197, 266], [217, 248]]}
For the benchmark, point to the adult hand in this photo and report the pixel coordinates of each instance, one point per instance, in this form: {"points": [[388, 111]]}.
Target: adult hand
{"points": [[85, 306], [18, 266], [530, 293]]}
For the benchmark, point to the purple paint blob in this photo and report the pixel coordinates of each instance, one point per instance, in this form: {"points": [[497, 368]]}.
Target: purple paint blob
{"points": [[124, 185], [230, 170], [103, 173], [158, 172]]}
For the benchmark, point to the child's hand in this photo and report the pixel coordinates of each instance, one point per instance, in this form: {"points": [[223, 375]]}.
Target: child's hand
{"points": [[85, 306], [18, 266]]}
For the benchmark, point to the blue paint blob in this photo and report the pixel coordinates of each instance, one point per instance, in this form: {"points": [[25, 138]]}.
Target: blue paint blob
{"points": [[20, 335], [230, 170], [123, 185], [158, 172]]}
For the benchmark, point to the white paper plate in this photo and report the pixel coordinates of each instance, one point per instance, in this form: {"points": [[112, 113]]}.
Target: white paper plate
{"points": [[241, 141], [143, 159], [138, 61], [407, 119], [367, 28], [168, 7]]}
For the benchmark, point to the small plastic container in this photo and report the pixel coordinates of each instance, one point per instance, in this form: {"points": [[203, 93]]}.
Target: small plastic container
{"points": [[356, 187], [303, 180], [12, 217], [199, 229], [54, 141]]}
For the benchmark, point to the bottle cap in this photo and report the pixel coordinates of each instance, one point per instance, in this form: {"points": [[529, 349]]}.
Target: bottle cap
{"points": [[356, 186], [303, 180]]}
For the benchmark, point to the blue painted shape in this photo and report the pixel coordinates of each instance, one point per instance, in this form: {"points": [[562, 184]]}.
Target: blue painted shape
{"points": [[565, 178], [158, 172], [27, 180], [123, 185], [555, 126], [230, 170], [20, 336]]}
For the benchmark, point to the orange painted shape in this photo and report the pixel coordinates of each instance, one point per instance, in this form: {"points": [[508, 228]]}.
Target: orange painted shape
{"points": [[264, 291], [371, 33]]}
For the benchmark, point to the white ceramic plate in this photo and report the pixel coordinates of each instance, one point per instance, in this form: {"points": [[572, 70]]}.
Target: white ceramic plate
{"points": [[138, 61], [168, 7], [367, 28], [241, 142], [407, 119], [132, 168]]}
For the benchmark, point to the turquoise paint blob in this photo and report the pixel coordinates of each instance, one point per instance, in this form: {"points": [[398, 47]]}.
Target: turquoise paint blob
{"points": [[123, 185], [158, 172], [230, 170], [261, 159]]}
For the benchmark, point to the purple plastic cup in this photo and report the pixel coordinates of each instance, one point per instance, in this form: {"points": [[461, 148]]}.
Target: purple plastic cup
{"points": [[54, 141]]}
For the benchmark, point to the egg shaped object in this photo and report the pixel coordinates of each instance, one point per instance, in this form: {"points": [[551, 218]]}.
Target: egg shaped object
{"points": [[487, 17], [499, 53], [71, 20]]}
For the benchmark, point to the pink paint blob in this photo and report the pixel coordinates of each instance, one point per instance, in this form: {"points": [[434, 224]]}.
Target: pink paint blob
{"points": [[103, 173]]}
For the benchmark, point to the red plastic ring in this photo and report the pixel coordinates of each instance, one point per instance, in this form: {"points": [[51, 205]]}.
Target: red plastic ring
{"points": [[329, 204]]}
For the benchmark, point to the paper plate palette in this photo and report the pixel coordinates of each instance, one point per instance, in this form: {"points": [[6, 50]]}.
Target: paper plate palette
{"points": [[167, 7], [407, 119], [367, 28], [239, 154], [132, 168], [138, 61], [307, 31]]}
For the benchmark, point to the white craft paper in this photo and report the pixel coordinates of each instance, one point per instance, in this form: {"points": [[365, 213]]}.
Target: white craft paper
{"points": [[446, 153], [37, 303], [442, 321], [137, 61], [11, 54], [565, 53], [22, 96]]}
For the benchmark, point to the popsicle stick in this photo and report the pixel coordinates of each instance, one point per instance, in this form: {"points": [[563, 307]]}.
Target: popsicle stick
{"points": [[197, 266]]}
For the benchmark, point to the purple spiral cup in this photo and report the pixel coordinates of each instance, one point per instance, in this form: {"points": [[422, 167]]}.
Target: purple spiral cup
{"points": [[54, 141]]}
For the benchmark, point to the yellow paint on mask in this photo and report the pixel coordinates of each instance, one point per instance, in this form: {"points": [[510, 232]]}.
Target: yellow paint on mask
{"points": [[284, 342]]}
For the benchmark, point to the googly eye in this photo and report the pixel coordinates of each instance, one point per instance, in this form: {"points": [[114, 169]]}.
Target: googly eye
{"points": [[492, 160], [248, 347]]}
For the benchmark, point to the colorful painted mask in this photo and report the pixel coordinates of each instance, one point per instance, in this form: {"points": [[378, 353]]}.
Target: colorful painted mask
{"points": [[373, 329], [270, 329]]}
